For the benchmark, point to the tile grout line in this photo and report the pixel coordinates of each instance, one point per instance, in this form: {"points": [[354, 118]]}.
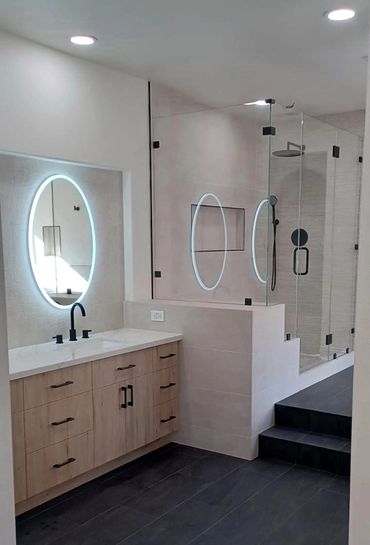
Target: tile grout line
{"points": [[238, 506], [181, 503]]}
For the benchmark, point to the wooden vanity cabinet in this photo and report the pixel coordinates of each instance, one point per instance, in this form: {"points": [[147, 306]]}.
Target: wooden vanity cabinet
{"points": [[19, 447], [69, 421]]}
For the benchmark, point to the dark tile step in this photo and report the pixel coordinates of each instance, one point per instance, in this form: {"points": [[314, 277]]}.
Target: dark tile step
{"points": [[320, 451], [315, 421]]}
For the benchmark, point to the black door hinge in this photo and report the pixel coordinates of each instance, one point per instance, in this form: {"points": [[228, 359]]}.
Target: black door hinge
{"points": [[157, 274], [269, 131], [329, 339], [336, 152], [360, 159], [156, 144]]}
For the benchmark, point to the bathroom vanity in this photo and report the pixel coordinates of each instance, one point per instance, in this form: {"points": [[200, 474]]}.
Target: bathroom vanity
{"points": [[81, 409]]}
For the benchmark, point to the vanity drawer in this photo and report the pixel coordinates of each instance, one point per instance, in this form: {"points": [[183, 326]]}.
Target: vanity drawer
{"points": [[165, 356], [165, 385], [58, 463], [165, 418], [19, 457], [58, 421], [126, 366], [55, 385]]}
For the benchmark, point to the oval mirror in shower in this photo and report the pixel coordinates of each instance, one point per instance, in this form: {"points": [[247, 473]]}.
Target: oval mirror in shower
{"points": [[61, 241]]}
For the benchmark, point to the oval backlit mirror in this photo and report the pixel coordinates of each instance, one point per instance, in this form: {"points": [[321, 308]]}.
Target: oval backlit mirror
{"points": [[61, 241]]}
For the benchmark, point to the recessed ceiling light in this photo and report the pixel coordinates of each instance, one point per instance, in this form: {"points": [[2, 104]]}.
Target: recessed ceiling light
{"points": [[256, 103], [342, 14], [83, 40]]}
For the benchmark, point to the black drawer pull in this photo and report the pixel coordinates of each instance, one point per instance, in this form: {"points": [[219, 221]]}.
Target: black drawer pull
{"points": [[66, 383], [65, 421], [131, 366], [164, 420], [130, 388], [124, 404], [166, 357], [168, 386], [69, 461]]}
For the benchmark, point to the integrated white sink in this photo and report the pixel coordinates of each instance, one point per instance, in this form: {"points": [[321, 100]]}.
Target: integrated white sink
{"points": [[38, 358]]}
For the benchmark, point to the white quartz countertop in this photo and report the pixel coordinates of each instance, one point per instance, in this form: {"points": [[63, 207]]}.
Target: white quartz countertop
{"points": [[39, 358]]}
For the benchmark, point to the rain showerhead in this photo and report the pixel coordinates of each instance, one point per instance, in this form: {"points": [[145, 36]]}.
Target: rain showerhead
{"points": [[297, 150]]}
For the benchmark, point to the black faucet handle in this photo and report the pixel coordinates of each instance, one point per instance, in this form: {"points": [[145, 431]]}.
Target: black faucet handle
{"points": [[85, 333], [59, 339]]}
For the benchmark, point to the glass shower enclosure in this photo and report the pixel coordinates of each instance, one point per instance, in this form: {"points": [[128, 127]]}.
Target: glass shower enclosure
{"points": [[258, 204]]}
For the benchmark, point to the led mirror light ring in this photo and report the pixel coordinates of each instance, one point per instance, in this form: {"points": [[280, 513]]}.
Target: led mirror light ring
{"points": [[254, 231], [30, 237], [193, 252]]}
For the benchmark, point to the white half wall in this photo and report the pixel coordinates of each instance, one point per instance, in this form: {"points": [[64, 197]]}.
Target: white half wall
{"points": [[360, 470]]}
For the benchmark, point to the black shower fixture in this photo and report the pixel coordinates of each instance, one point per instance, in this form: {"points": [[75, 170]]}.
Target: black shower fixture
{"points": [[273, 200], [292, 150]]}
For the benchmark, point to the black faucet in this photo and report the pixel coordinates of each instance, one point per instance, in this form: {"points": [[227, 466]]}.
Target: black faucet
{"points": [[72, 331]]}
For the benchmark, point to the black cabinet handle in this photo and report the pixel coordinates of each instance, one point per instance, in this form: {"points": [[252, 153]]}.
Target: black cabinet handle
{"points": [[66, 383], [131, 366], [166, 357], [65, 421], [168, 386], [124, 404], [164, 420], [130, 388], [295, 255], [69, 461]]}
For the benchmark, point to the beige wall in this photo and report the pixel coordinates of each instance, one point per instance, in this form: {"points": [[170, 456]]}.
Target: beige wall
{"points": [[360, 471], [31, 319]]}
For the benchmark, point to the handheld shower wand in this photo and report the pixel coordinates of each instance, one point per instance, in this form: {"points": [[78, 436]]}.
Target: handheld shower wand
{"points": [[275, 222]]}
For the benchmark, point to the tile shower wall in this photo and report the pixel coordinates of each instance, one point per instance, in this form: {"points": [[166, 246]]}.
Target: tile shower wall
{"points": [[31, 319]]}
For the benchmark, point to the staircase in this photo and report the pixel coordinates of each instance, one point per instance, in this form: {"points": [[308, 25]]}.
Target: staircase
{"points": [[313, 427]]}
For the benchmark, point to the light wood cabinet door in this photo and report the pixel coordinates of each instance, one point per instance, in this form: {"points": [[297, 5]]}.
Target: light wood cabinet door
{"points": [[16, 395], [109, 423], [19, 457], [139, 412], [124, 367], [55, 422], [58, 463], [56, 385]]}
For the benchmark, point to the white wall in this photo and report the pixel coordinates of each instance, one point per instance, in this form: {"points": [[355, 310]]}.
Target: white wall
{"points": [[58, 106], [360, 472], [55, 105], [7, 528]]}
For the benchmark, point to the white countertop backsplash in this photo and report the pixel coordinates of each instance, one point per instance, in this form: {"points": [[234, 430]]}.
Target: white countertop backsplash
{"points": [[40, 358]]}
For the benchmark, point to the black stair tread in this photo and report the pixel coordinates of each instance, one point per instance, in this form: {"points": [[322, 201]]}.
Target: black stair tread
{"points": [[332, 395], [331, 442]]}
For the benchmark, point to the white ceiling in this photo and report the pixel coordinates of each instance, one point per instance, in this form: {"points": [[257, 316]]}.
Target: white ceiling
{"points": [[217, 52]]}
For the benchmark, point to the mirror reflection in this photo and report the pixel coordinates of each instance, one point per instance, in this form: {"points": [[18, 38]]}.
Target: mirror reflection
{"points": [[61, 241]]}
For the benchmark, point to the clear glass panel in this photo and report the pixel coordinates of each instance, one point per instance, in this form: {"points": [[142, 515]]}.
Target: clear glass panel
{"points": [[345, 239], [222, 152]]}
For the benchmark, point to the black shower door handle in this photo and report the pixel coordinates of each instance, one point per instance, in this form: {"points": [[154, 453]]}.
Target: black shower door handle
{"points": [[295, 260]]}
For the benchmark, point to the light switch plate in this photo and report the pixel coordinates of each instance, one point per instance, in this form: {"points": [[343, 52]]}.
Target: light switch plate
{"points": [[157, 315]]}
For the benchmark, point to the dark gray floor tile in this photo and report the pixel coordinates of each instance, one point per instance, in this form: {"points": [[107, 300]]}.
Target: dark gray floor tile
{"points": [[340, 484], [191, 451], [254, 520], [155, 468], [94, 501], [212, 467], [323, 440], [281, 432], [42, 529], [107, 529], [167, 494], [325, 515]]}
